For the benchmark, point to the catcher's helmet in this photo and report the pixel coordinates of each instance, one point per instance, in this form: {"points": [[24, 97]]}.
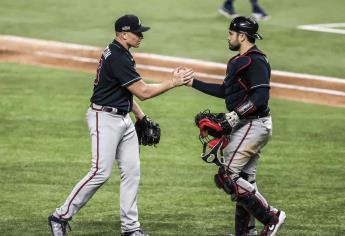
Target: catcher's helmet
{"points": [[246, 25]]}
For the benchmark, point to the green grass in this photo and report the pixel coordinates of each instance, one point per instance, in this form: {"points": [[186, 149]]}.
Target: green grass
{"points": [[190, 28], [45, 150]]}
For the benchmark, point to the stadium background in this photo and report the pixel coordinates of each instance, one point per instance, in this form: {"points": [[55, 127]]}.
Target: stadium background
{"points": [[44, 145]]}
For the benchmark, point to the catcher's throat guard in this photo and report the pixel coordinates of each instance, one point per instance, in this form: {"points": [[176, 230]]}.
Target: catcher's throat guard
{"points": [[212, 150], [212, 136]]}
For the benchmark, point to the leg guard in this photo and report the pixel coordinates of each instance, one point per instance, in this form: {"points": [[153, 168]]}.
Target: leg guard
{"points": [[242, 217], [245, 195], [255, 207], [244, 221]]}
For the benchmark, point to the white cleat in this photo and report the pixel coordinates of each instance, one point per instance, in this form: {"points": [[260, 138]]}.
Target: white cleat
{"points": [[261, 16], [271, 230], [226, 13]]}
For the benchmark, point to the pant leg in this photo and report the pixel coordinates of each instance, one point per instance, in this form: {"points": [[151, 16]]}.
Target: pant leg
{"points": [[256, 7], [246, 141], [129, 164], [106, 132], [229, 6], [250, 170], [242, 154]]}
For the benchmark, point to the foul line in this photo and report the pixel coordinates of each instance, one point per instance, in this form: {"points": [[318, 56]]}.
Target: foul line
{"points": [[182, 61], [329, 28], [63, 56], [308, 89], [205, 75], [168, 58]]}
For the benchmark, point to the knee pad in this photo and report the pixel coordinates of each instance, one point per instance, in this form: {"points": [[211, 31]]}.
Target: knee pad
{"points": [[251, 178], [223, 181], [233, 184]]}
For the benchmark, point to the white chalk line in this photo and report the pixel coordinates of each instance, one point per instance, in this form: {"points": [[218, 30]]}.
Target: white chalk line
{"points": [[329, 28], [205, 75], [178, 60], [63, 56], [170, 58], [50, 43], [308, 89]]}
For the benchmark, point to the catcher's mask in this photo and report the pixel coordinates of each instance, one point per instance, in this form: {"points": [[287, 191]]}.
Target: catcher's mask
{"points": [[212, 149]]}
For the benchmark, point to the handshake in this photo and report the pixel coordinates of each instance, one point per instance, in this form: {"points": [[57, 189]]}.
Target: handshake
{"points": [[182, 76]]}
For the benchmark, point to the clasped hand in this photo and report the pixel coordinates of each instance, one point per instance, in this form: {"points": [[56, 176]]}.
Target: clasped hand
{"points": [[182, 76]]}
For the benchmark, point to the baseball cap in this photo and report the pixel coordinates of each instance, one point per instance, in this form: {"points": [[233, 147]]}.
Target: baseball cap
{"points": [[246, 25], [129, 23]]}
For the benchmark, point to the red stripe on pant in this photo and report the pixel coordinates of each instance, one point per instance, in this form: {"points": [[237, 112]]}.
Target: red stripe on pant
{"points": [[250, 125], [94, 173]]}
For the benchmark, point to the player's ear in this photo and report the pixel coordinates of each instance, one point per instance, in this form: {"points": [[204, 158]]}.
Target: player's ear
{"points": [[124, 35], [242, 37]]}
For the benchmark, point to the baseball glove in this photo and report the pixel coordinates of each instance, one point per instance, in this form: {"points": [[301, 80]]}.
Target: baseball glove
{"points": [[149, 132], [216, 124]]}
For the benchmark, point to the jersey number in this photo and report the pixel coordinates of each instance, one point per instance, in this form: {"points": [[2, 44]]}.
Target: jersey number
{"points": [[96, 81]]}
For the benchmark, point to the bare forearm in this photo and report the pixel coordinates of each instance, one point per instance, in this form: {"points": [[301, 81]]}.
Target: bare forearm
{"points": [[138, 113], [151, 90], [145, 91]]}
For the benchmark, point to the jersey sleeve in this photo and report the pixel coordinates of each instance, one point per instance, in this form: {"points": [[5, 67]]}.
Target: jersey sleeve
{"points": [[124, 70], [258, 74], [217, 90]]}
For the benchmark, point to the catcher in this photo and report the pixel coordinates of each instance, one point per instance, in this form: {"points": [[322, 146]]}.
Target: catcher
{"points": [[243, 131]]}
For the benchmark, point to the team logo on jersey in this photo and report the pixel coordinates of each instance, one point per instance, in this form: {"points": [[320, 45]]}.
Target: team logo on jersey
{"points": [[106, 52]]}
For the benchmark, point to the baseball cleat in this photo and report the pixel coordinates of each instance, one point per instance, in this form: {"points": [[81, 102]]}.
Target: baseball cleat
{"points": [[225, 12], [137, 232], [57, 226], [271, 230], [261, 16]]}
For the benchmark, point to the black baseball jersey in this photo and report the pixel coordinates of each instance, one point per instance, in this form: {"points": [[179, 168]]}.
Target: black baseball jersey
{"points": [[245, 75], [246, 85], [116, 71]]}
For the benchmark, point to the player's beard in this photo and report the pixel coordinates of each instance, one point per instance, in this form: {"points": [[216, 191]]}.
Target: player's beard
{"points": [[234, 46]]}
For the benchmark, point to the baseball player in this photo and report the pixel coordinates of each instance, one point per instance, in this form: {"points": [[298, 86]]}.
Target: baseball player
{"points": [[246, 93], [113, 136]]}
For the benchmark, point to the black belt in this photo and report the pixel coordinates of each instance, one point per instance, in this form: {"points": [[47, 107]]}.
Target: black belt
{"points": [[111, 110], [258, 116]]}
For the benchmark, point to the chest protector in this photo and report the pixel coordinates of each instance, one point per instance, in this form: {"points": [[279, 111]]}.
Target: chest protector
{"points": [[236, 84]]}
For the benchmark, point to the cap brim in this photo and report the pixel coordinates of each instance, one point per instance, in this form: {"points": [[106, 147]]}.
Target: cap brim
{"points": [[141, 29]]}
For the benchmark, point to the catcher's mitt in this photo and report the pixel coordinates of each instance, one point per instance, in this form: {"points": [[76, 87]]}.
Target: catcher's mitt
{"points": [[149, 132], [216, 125]]}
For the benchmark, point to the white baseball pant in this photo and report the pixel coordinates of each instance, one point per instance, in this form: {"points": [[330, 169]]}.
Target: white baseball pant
{"points": [[113, 137]]}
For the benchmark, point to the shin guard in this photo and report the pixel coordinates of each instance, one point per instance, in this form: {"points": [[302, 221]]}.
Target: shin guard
{"points": [[261, 212], [242, 217]]}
